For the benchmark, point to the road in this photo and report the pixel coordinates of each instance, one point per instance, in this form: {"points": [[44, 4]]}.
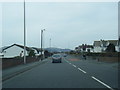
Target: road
{"points": [[71, 73]]}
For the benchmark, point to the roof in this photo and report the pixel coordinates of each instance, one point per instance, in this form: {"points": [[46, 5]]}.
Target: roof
{"points": [[37, 49], [96, 43], [27, 48], [104, 42], [87, 46]]}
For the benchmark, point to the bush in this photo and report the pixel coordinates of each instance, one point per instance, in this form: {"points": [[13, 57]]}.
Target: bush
{"points": [[110, 48], [31, 53]]}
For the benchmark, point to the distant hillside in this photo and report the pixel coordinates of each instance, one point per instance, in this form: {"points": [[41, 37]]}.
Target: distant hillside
{"points": [[53, 49], [57, 50]]}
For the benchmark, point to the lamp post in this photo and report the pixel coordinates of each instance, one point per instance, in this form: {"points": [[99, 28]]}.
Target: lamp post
{"points": [[24, 36], [42, 43], [50, 47]]}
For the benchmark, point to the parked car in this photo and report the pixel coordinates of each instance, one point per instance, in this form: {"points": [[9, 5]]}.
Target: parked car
{"points": [[56, 58]]}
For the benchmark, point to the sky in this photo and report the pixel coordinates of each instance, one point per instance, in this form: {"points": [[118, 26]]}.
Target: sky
{"points": [[68, 24]]}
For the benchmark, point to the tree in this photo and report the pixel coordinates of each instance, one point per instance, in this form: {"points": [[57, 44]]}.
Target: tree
{"points": [[84, 46], [76, 48], [110, 48], [31, 53], [46, 53]]}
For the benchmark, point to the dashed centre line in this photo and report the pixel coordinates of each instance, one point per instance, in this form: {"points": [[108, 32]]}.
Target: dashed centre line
{"points": [[74, 65], [82, 70], [102, 83], [92, 76]]}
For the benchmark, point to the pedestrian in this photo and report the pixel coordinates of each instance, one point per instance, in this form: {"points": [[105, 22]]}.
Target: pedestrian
{"points": [[21, 54], [84, 56]]}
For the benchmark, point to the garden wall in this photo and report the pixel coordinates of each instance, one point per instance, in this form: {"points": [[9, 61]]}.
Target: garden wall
{"points": [[105, 56], [11, 62], [109, 56]]}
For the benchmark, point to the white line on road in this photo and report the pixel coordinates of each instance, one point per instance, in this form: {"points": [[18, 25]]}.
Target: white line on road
{"points": [[74, 65], [82, 70], [93, 77], [102, 83]]}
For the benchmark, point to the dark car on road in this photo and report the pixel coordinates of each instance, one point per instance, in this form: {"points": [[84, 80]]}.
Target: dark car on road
{"points": [[65, 55], [56, 58]]}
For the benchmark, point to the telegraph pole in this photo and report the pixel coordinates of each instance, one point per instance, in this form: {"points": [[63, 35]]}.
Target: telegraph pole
{"points": [[42, 43], [24, 36], [50, 47]]}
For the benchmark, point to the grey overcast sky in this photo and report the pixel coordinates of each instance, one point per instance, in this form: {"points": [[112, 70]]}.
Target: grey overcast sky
{"points": [[68, 24]]}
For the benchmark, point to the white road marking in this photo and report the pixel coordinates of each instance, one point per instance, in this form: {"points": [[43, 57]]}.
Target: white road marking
{"points": [[102, 83], [82, 70], [74, 65], [93, 77]]}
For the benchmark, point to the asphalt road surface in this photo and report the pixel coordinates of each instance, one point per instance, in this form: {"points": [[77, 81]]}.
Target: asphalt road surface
{"points": [[71, 73]]}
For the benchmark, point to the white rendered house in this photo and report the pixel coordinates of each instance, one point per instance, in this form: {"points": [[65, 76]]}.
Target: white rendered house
{"points": [[14, 51], [100, 46]]}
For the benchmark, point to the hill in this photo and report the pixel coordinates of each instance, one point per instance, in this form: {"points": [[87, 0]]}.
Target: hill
{"points": [[57, 50]]}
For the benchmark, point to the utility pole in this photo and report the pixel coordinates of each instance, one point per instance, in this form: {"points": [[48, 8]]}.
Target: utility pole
{"points": [[24, 36], [42, 43], [50, 47]]}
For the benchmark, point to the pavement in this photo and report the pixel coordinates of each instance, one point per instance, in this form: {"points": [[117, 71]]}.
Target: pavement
{"points": [[11, 72]]}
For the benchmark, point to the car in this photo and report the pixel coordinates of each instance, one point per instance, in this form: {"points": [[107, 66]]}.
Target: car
{"points": [[65, 55], [56, 58]]}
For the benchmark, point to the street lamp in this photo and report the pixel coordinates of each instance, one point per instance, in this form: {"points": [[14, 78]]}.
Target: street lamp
{"points": [[42, 43], [50, 47], [24, 36]]}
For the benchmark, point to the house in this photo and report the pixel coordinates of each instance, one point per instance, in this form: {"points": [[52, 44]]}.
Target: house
{"points": [[119, 44], [89, 48], [78, 49], [100, 46], [97, 46], [37, 51], [84, 48], [14, 51], [1, 55], [115, 43]]}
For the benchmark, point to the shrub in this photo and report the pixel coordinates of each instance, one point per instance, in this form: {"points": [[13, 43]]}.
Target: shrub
{"points": [[31, 53], [110, 48]]}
